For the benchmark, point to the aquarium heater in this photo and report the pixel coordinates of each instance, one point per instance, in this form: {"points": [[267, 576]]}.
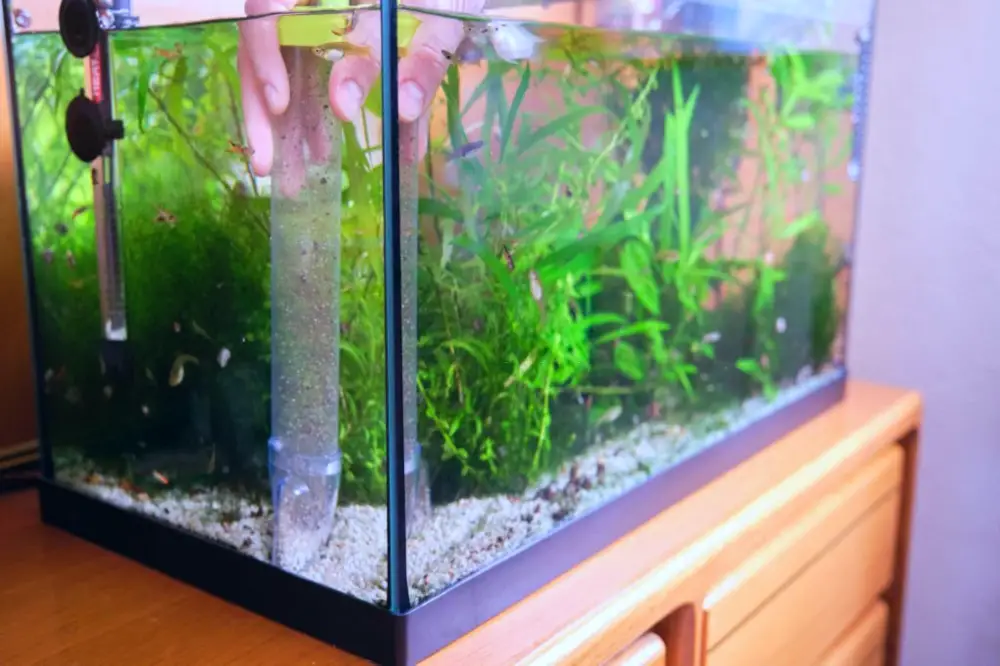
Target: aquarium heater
{"points": [[92, 131]]}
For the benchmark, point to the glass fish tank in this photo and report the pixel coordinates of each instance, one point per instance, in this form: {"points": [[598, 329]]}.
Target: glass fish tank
{"points": [[405, 310]]}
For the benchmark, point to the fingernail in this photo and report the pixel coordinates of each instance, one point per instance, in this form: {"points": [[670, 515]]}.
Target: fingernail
{"points": [[411, 101], [349, 98], [271, 95]]}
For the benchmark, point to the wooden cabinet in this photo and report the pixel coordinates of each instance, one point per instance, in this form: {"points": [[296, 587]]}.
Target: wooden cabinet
{"points": [[789, 601], [649, 650], [796, 558], [864, 643]]}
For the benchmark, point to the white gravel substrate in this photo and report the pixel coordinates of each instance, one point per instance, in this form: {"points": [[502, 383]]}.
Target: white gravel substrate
{"points": [[457, 539]]}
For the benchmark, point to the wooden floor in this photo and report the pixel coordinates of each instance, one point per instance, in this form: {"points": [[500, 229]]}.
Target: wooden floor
{"points": [[65, 602]]}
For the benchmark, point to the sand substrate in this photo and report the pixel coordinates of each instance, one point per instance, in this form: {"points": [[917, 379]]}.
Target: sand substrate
{"points": [[457, 539]]}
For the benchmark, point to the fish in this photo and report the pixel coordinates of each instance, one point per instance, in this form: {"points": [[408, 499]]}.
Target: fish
{"points": [[536, 287], [164, 216], [513, 42], [780, 325], [61, 228], [177, 369], [150, 376], [170, 54], [667, 255], [198, 330], [177, 327], [609, 416], [711, 338], [508, 258], [468, 52], [161, 477], [70, 259], [48, 254], [145, 410], [223, 357], [22, 19], [49, 374], [337, 51], [78, 212], [73, 395], [239, 149], [76, 284], [464, 151], [108, 391]]}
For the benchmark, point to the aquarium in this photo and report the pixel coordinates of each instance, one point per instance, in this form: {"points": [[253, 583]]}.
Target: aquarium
{"points": [[401, 313]]}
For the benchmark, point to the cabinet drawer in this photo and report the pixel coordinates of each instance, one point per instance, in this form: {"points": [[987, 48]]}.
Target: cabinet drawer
{"points": [[864, 644], [647, 651], [788, 603]]}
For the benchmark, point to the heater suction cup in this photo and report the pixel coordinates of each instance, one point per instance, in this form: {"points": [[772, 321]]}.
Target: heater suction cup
{"points": [[79, 26]]}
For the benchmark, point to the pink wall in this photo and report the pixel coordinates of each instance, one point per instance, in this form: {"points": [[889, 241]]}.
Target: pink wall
{"points": [[927, 305]]}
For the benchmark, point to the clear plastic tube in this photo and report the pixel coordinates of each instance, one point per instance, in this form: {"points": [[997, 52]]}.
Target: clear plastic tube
{"points": [[304, 455]]}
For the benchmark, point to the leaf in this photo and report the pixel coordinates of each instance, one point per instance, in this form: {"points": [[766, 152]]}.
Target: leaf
{"points": [[175, 89], [438, 208], [638, 268], [629, 362], [650, 328], [800, 225], [800, 121], [562, 123], [142, 92], [515, 106]]}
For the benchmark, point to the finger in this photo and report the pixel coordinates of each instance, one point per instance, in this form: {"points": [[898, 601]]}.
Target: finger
{"points": [[289, 161], [413, 139], [316, 121], [256, 119], [352, 78], [260, 38], [426, 64]]}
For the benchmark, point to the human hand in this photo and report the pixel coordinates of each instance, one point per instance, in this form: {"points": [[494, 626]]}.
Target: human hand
{"points": [[266, 89]]}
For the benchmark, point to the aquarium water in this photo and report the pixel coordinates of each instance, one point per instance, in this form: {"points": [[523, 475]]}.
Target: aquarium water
{"points": [[625, 235]]}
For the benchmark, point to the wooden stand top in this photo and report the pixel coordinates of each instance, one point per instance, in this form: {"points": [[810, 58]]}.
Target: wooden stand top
{"points": [[65, 601]]}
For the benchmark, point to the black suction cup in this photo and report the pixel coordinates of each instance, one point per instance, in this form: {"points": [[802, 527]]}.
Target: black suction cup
{"points": [[79, 27], [88, 133]]}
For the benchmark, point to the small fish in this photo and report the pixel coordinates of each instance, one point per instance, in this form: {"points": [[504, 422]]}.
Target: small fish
{"points": [[76, 284], [70, 259], [765, 361], [508, 258], [711, 338], [239, 149], [49, 374], [164, 216], [22, 19], [177, 327], [177, 369], [769, 259], [101, 365], [73, 395], [170, 54], [161, 478], [48, 254], [150, 376], [61, 228], [610, 416], [223, 357], [198, 330], [653, 410], [108, 391], [513, 42], [336, 51], [145, 410], [464, 151], [667, 255], [468, 52], [79, 211], [536, 287], [780, 325]]}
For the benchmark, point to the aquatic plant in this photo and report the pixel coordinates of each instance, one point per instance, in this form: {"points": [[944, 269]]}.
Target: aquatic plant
{"points": [[579, 265]]}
